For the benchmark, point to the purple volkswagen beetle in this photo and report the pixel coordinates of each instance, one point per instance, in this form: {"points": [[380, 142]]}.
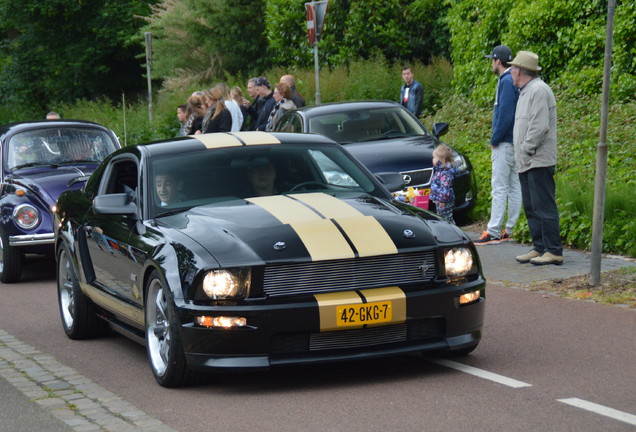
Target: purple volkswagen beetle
{"points": [[40, 160]]}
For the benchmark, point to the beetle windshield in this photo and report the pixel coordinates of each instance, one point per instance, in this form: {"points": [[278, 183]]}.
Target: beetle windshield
{"points": [[236, 173], [366, 125], [58, 146]]}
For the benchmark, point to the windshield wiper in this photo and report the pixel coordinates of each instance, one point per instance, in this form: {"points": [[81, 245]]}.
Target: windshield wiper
{"points": [[81, 161], [172, 212], [32, 164]]}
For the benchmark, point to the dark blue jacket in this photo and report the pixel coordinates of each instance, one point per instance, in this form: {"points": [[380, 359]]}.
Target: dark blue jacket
{"points": [[263, 113], [503, 120], [416, 98]]}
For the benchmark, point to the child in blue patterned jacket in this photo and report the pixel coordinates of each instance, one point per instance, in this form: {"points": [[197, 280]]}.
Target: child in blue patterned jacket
{"points": [[444, 172]]}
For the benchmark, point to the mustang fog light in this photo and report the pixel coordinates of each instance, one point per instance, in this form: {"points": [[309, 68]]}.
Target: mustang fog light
{"points": [[459, 262], [26, 216], [469, 297], [225, 284], [221, 321]]}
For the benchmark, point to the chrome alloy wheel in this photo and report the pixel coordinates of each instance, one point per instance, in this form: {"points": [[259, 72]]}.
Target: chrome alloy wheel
{"points": [[66, 284], [158, 331]]}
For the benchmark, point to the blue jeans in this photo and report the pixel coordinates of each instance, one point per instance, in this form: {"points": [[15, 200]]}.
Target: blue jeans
{"points": [[505, 190], [537, 191]]}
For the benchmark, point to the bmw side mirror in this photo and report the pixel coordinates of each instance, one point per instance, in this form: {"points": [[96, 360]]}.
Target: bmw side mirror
{"points": [[440, 129]]}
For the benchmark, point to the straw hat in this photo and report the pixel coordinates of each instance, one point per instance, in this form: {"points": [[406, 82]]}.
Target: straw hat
{"points": [[527, 60]]}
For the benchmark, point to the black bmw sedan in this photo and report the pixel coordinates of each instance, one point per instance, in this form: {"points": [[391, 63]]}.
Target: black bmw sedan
{"points": [[254, 250], [385, 137]]}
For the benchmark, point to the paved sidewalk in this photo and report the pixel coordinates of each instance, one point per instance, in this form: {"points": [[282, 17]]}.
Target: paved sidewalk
{"points": [[499, 263], [48, 396]]}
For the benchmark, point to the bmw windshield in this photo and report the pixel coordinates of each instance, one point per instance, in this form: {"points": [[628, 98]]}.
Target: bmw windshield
{"points": [[367, 125]]}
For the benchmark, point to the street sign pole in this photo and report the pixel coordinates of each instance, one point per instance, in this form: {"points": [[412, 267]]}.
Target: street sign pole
{"points": [[148, 37], [316, 11], [601, 156], [317, 70]]}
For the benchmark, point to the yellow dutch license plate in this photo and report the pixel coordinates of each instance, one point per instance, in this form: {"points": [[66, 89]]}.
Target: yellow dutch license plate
{"points": [[364, 313]]}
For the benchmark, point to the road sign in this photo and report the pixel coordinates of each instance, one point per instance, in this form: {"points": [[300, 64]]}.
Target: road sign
{"points": [[316, 12]]}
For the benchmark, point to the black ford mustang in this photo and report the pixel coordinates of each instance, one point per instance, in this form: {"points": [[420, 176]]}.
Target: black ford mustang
{"points": [[251, 250]]}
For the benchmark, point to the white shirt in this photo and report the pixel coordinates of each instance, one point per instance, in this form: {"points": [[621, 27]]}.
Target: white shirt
{"points": [[237, 115]]}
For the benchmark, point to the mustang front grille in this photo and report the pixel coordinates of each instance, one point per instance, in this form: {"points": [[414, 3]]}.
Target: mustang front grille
{"points": [[357, 338], [420, 177], [346, 275], [413, 332]]}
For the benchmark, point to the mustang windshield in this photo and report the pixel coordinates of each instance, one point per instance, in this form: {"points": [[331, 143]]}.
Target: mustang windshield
{"points": [[366, 125], [58, 145], [236, 173]]}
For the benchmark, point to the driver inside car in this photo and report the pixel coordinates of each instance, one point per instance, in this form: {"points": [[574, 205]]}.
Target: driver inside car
{"points": [[168, 188], [262, 179]]}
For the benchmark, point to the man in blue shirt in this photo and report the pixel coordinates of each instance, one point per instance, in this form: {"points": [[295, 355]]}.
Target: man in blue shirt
{"points": [[411, 92], [506, 190]]}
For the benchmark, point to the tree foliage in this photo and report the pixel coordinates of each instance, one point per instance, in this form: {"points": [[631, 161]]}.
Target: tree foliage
{"points": [[568, 36], [397, 30], [60, 50], [202, 40]]}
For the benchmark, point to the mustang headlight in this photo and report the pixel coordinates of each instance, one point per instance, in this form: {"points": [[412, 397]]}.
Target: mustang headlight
{"points": [[26, 216], [459, 262], [227, 284]]}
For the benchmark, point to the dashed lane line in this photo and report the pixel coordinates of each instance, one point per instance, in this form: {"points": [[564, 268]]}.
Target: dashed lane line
{"points": [[510, 382], [601, 409], [500, 379]]}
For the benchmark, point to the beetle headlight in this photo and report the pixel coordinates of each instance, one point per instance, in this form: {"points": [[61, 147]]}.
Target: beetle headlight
{"points": [[459, 262], [227, 284], [26, 216]]}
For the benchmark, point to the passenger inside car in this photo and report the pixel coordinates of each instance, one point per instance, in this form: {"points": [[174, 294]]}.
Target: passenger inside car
{"points": [[262, 177]]}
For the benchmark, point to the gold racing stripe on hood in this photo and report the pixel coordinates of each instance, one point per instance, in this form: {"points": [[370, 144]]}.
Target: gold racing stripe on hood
{"points": [[256, 138], [218, 140], [365, 232], [320, 236]]}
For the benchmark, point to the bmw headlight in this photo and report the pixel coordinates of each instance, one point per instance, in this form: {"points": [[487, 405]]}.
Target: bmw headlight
{"points": [[26, 216], [227, 284], [459, 262], [460, 163]]}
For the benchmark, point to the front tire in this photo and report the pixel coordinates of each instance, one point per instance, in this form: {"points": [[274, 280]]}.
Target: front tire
{"points": [[163, 339], [77, 312], [10, 261]]}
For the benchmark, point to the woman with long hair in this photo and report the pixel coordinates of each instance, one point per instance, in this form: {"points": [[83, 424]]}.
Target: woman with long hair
{"points": [[195, 110], [220, 117]]}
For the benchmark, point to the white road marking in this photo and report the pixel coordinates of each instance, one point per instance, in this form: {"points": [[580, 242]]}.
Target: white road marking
{"points": [[510, 382], [600, 409]]}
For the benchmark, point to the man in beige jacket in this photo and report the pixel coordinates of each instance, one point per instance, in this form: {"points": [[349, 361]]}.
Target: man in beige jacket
{"points": [[535, 142]]}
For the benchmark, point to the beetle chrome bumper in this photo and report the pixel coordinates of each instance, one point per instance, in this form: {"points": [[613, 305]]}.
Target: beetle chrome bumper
{"points": [[31, 239]]}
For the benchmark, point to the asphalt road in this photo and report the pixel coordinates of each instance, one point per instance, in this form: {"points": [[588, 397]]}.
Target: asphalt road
{"points": [[545, 363]]}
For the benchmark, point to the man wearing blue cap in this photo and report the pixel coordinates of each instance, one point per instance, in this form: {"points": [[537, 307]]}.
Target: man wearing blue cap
{"points": [[506, 189]]}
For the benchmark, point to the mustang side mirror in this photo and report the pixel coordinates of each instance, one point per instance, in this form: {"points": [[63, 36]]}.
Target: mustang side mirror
{"points": [[115, 204], [391, 180], [440, 129]]}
